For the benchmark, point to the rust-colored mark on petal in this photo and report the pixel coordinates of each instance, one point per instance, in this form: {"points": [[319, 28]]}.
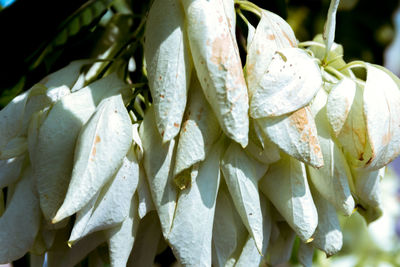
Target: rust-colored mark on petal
{"points": [[271, 37], [160, 78], [386, 138], [220, 51], [288, 38], [96, 141], [220, 19], [162, 96], [176, 125], [299, 119]]}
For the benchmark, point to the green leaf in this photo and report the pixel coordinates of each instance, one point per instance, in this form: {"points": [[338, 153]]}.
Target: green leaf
{"points": [[168, 65], [217, 62], [191, 233], [100, 149]]}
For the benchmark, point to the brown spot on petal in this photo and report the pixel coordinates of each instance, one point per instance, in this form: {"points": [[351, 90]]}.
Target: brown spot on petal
{"points": [[288, 38], [176, 125], [299, 119], [220, 19], [162, 96], [96, 141], [271, 37]]}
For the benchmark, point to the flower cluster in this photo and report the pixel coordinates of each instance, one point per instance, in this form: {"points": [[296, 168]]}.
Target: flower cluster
{"points": [[228, 165]]}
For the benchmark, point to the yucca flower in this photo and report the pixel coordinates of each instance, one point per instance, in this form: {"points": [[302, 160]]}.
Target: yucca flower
{"points": [[226, 165]]}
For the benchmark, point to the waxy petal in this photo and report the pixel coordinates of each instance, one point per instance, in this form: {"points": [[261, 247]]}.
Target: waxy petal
{"points": [[20, 222], [242, 175], [157, 163], [296, 134], [217, 62], [200, 130], [339, 103], [331, 180], [192, 228], [168, 64], [272, 33], [52, 157], [382, 115], [101, 146], [285, 184], [290, 82]]}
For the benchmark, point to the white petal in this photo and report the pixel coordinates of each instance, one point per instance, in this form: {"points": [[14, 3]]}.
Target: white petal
{"points": [[353, 135], [52, 158], [331, 180], [145, 201], [81, 220], [146, 241], [191, 232], [200, 130], [168, 64], [305, 254], [101, 146], [272, 33], [157, 165], [328, 236], [20, 222], [122, 237], [63, 256], [289, 82], [382, 115], [217, 62], [368, 192], [10, 170], [11, 118], [242, 175], [329, 29], [280, 247], [260, 147], [285, 184], [250, 254], [339, 103], [296, 134], [66, 76], [112, 204], [14, 148], [228, 231]]}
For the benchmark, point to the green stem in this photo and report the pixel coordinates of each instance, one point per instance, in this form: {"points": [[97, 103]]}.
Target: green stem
{"points": [[249, 6]]}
